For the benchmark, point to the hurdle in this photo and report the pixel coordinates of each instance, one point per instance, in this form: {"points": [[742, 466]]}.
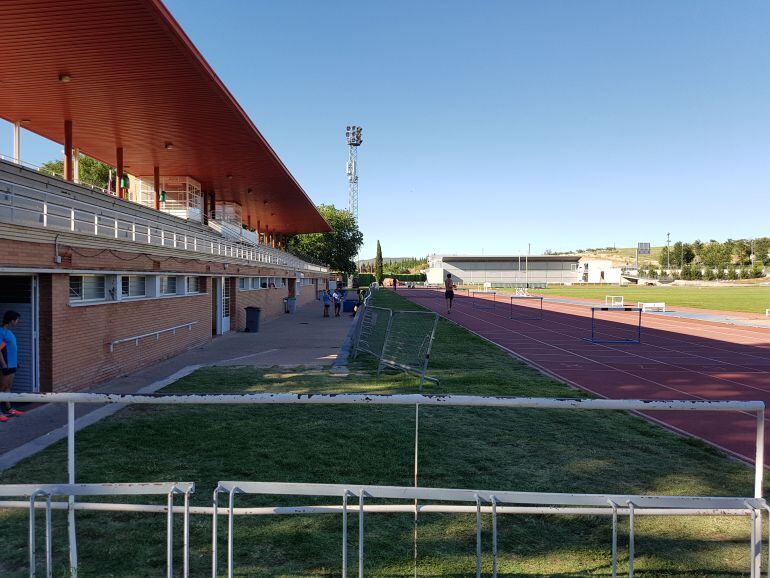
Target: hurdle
{"points": [[594, 338], [482, 304], [613, 301], [534, 313]]}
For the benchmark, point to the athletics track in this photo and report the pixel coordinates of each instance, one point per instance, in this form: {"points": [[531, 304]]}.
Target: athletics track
{"points": [[678, 358]]}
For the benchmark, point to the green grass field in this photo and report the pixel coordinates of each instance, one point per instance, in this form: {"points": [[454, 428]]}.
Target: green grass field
{"points": [[532, 450], [754, 299]]}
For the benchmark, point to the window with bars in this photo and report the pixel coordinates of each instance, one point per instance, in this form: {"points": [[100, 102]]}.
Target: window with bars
{"points": [[133, 286], [193, 284], [88, 288], [167, 285]]}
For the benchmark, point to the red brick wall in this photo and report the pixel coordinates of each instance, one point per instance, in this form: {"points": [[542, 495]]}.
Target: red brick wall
{"points": [[81, 335], [270, 300]]}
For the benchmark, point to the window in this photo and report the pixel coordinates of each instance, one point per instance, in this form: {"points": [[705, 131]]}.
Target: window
{"points": [[132, 286], [87, 287], [167, 285], [193, 284], [263, 281], [256, 283], [243, 283]]}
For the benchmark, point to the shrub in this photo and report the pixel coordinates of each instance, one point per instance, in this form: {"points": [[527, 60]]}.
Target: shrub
{"points": [[709, 275], [732, 274]]}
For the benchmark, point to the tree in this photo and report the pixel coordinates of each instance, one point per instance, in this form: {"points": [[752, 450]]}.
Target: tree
{"points": [[337, 248], [92, 172], [378, 273]]}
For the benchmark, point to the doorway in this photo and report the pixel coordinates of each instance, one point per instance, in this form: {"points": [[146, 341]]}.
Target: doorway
{"points": [[223, 304], [20, 293]]}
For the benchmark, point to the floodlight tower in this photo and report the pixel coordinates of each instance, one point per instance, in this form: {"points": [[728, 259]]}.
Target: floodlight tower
{"points": [[353, 135]]}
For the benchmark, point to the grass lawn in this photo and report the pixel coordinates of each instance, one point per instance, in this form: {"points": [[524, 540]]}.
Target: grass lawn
{"points": [[532, 450], [753, 299]]}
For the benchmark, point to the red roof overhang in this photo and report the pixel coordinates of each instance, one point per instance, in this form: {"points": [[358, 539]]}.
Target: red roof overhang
{"points": [[139, 83]]}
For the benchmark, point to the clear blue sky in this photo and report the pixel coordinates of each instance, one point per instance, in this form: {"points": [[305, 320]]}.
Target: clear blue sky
{"points": [[488, 125]]}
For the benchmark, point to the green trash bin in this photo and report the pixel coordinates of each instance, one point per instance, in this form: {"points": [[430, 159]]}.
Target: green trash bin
{"points": [[291, 304]]}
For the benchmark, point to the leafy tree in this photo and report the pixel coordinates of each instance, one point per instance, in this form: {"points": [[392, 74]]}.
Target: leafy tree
{"points": [[92, 172], [761, 249], [378, 272], [338, 248], [732, 274]]}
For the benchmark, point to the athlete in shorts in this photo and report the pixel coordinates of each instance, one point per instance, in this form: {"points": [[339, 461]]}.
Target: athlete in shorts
{"points": [[449, 293]]}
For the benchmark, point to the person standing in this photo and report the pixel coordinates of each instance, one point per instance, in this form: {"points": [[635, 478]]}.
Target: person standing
{"points": [[337, 298], [327, 301], [449, 292], [9, 361]]}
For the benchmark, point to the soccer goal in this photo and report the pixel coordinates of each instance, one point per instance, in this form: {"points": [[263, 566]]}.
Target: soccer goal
{"points": [[484, 300], [526, 307], [615, 324], [408, 343], [613, 301]]}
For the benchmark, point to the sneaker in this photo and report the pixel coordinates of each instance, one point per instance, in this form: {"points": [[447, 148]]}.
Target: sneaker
{"points": [[14, 412], [3, 417]]}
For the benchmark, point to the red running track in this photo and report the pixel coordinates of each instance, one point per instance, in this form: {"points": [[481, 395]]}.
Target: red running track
{"points": [[677, 359]]}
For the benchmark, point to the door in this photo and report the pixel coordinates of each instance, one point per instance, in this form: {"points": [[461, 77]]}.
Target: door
{"points": [[19, 293], [226, 282]]}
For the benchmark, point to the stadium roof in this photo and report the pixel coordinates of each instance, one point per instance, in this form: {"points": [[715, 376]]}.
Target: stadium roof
{"points": [[133, 79], [508, 258]]}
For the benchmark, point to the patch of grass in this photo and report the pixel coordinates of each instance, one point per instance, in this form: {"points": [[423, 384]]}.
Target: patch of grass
{"points": [[533, 450], [750, 299]]}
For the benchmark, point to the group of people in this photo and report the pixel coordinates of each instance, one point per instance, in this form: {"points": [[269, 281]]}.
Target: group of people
{"points": [[330, 298], [9, 361]]}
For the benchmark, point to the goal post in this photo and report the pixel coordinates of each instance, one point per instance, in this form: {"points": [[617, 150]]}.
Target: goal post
{"points": [[614, 300], [408, 343]]}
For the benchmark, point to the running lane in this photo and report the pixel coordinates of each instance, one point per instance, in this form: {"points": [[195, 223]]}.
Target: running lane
{"points": [[678, 358]]}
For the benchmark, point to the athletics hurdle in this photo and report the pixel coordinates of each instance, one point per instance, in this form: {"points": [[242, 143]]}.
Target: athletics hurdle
{"points": [[595, 333], [481, 303], [613, 300], [534, 313]]}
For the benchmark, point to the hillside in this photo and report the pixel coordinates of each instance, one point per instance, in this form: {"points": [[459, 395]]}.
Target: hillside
{"points": [[622, 256]]}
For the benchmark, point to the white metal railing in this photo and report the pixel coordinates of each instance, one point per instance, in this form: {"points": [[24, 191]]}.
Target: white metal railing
{"points": [[51, 209], [156, 334], [511, 502]]}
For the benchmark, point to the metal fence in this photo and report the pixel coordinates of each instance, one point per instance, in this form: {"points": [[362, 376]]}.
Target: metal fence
{"points": [[450, 499], [398, 339]]}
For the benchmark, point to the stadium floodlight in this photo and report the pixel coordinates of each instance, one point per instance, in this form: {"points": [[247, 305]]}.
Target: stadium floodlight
{"points": [[354, 135]]}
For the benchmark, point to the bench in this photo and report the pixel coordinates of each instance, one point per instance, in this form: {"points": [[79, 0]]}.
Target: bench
{"points": [[652, 306]]}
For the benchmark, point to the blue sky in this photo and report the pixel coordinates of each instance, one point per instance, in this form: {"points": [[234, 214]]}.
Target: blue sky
{"points": [[488, 125]]}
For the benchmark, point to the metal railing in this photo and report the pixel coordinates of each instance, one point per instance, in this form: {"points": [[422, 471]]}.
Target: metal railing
{"points": [[29, 206], [156, 334], [483, 501]]}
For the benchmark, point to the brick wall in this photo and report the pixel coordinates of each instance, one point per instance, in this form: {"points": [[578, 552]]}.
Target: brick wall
{"points": [[270, 300], [80, 335]]}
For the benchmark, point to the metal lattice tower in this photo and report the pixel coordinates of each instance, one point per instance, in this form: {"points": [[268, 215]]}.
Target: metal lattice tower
{"points": [[353, 135]]}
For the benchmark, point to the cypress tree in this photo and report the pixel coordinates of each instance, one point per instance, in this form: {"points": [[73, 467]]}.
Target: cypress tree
{"points": [[378, 274]]}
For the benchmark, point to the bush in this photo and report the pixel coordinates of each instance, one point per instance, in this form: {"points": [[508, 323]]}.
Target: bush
{"points": [[720, 273], [697, 273], [709, 275], [363, 279], [687, 272], [409, 277], [732, 274]]}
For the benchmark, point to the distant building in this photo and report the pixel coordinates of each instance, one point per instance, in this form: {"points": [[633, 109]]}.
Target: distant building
{"points": [[504, 271]]}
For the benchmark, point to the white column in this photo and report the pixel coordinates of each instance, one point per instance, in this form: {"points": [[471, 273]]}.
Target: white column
{"points": [[76, 165], [17, 142]]}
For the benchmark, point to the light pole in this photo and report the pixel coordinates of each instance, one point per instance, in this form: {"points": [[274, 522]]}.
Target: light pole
{"points": [[353, 136], [668, 253]]}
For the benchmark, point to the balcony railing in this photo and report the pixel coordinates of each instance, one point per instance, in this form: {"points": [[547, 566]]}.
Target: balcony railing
{"points": [[29, 206]]}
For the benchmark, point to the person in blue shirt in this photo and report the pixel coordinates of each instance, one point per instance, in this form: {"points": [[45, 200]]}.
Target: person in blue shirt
{"points": [[327, 299], [9, 361]]}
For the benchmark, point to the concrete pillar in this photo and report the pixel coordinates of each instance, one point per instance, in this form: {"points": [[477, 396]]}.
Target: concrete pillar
{"points": [[68, 172], [119, 166], [156, 186], [213, 206], [17, 142], [76, 165]]}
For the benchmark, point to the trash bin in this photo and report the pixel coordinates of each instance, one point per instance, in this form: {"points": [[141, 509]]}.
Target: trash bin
{"points": [[252, 319], [291, 304]]}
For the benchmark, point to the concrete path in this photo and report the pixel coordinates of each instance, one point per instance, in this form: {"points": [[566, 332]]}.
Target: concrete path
{"points": [[303, 339]]}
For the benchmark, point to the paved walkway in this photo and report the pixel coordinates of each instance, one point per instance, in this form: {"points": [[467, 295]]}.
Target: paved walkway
{"points": [[303, 339]]}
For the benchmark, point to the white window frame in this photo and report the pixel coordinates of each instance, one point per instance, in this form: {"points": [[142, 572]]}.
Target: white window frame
{"points": [[81, 298], [163, 293], [197, 282], [128, 279]]}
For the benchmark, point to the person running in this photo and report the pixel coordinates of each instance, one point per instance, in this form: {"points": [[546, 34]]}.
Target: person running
{"points": [[9, 361], [449, 292], [337, 298], [327, 301], [395, 285]]}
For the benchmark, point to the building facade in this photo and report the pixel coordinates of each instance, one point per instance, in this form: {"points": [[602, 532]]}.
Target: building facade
{"points": [[109, 280], [504, 271]]}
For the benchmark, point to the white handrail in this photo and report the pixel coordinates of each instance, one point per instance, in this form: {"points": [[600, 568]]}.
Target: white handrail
{"points": [[22, 204], [157, 334]]}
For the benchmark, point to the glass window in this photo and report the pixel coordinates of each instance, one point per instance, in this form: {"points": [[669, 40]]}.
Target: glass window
{"points": [[263, 282], [87, 288], [132, 286], [167, 285], [243, 283], [193, 284], [255, 283]]}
